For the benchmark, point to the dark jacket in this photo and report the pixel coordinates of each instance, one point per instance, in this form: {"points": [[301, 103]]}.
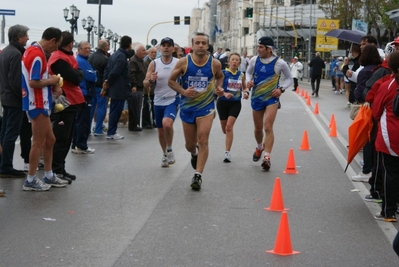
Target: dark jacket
{"points": [[146, 64], [98, 60], [378, 73], [137, 72], [362, 78], [11, 75], [117, 74], [317, 65]]}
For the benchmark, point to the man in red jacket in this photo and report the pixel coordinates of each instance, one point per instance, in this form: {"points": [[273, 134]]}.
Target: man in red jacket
{"points": [[63, 62]]}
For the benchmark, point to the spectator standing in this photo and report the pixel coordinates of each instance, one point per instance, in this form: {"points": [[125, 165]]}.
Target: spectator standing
{"points": [[116, 80], [64, 63], [218, 53], [202, 77], [332, 71], [99, 60], [148, 101], [263, 76], [317, 65], [37, 88], [296, 68], [244, 62], [11, 98], [339, 76], [166, 101], [87, 85], [137, 72]]}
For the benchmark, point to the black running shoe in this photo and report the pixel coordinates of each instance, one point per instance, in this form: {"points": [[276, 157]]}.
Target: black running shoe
{"points": [[196, 182], [266, 163], [194, 161], [69, 175], [257, 154]]}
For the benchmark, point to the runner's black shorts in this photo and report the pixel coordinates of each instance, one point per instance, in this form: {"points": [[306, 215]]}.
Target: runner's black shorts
{"points": [[228, 108]]}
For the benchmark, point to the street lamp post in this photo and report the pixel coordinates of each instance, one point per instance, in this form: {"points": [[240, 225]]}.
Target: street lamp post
{"points": [[89, 28], [115, 40], [98, 32], [108, 35], [74, 17]]}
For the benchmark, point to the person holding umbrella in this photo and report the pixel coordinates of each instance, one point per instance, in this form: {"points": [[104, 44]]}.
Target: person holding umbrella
{"points": [[165, 99]]}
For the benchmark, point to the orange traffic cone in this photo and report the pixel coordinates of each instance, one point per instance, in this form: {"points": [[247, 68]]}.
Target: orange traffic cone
{"points": [[333, 131], [306, 95], [283, 246], [276, 202], [290, 167], [308, 101], [331, 120], [316, 108], [305, 141], [297, 90], [303, 92]]}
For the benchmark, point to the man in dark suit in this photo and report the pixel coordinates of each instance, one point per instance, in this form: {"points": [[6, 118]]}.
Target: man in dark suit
{"points": [[317, 65]]}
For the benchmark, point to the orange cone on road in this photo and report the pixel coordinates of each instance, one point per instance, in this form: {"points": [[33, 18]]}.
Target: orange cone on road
{"points": [[283, 246], [331, 120], [303, 92], [316, 108], [276, 202], [297, 90], [305, 141], [291, 167], [308, 101], [333, 131], [306, 95]]}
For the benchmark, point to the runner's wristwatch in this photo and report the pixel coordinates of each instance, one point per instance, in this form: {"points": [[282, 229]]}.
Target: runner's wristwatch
{"points": [[282, 89]]}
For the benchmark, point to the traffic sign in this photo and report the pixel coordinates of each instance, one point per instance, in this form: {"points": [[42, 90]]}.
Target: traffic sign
{"points": [[7, 12]]}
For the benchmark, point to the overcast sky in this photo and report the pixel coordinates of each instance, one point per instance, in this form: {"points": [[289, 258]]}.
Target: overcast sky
{"points": [[125, 17]]}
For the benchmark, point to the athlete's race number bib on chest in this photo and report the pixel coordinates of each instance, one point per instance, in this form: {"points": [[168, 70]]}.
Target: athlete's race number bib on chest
{"points": [[199, 83]]}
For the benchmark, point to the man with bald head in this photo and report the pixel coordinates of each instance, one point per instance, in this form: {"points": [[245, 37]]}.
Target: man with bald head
{"points": [[137, 72], [99, 60]]}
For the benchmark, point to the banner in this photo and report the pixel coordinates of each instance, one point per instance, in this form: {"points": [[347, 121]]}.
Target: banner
{"points": [[359, 26], [324, 43]]}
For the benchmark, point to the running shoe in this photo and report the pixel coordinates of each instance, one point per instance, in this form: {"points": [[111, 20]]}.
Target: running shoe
{"points": [[165, 162], [35, 185], [227, 157], [196, 182], [266, 163], [379, 216], [55, 181], [257, 154], [171, 157]]}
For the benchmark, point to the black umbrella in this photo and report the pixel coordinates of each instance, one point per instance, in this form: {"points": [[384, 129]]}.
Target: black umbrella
{"points": [[346, 35]]}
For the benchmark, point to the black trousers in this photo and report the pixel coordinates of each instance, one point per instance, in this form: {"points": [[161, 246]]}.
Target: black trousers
{"points": [[147, 114], [134, 107], [295, 83], [391, 183], [315, 78], [63, 126], [25, 136]]}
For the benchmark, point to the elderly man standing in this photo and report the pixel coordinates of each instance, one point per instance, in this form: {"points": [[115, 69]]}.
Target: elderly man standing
{"points": [[87, 85], [296, 71], [137, 72], [99, 60], [148, 111], [63, 62], [11, 97], [116, 77]]}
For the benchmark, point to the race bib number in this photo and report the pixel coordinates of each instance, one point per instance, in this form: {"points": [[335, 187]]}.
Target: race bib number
{"points": [[234, 85], [199, 83]]}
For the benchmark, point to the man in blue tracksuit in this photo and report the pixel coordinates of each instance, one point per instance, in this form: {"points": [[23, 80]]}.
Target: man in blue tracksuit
{"points": [[87, 85]]}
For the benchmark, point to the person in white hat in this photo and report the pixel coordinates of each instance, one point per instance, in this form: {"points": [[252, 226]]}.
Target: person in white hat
{"points": [[296, 68]]}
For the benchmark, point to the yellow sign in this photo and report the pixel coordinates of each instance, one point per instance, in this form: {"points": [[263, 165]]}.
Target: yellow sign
{"points": [[324, 43]]}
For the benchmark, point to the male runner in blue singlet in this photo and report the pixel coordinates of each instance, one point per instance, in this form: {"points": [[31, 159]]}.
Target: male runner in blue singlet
{"points": [[202, 77]]}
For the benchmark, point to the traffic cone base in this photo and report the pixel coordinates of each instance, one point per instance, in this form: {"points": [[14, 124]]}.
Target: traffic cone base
{"points": [[276, 201], [283, 246], [291, 167], [305, 141], [308, 101]]}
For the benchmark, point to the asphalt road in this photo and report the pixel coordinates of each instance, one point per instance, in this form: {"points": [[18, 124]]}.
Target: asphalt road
{"points": [[125, 210]]}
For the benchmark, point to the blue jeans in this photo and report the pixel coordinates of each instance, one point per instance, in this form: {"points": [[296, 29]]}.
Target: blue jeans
{"points": [[82, 126], [11, 125], [115, 111], [101, 103]]}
